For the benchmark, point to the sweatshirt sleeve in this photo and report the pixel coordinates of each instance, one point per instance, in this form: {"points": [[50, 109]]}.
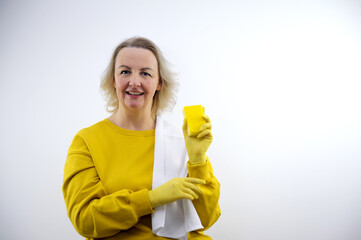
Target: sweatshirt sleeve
{"points": [[207, 204], [92, 211]]}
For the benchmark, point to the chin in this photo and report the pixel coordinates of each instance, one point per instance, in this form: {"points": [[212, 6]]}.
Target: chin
{"points": [[133, 106]]}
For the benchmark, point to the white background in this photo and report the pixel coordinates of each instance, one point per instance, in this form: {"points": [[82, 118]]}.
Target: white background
{"points": [[280, 81]]}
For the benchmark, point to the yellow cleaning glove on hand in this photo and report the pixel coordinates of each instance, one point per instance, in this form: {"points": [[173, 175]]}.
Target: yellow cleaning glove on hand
{"points": [[198, 145], [175, 189]]}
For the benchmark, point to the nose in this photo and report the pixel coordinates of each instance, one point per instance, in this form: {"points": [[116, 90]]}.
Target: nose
{"points": [[134, 82]]}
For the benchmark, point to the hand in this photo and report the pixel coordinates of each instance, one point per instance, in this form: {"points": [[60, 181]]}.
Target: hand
{"points": [[175, 189], [197, 146]]}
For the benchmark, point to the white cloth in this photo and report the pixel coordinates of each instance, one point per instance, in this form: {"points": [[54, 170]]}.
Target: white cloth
{"points": [[176, 219]]}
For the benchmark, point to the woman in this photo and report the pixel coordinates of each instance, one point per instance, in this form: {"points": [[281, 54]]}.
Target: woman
{"points": [[110, 167]]}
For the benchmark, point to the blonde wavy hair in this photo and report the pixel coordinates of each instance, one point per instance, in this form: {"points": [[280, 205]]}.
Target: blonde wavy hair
{"points": [[164, 99]]}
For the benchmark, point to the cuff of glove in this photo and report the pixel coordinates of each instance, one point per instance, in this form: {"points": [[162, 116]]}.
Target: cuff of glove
{"points": [[153, 199], [199, 170], [198, 159]]}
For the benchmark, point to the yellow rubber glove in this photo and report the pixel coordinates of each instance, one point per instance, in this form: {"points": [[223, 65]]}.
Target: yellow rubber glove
{"points": [[175, 189], [197, 146]]}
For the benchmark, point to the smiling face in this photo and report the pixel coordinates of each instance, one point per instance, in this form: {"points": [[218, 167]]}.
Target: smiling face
{"points": [[136, 79]]}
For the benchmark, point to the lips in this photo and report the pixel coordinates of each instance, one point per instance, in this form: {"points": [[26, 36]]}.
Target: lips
{"points": [[134, 93]]}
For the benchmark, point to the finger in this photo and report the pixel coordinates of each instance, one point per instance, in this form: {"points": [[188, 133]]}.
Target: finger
{"points": [[187, 196], [205, 117], [185, 125], [189, 191], [195, 180], [193, 187], [206, 133], [206, 126]]}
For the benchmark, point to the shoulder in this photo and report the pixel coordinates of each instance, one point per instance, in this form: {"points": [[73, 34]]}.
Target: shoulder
{"points": [[90, 136], [95, 129]]}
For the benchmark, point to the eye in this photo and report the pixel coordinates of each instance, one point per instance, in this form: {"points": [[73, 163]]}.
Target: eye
{"points": [[124, 72], [145, 74]]}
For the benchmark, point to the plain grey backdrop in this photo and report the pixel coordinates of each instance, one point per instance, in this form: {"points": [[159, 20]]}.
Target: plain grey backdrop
{"points": [[280, 81]]}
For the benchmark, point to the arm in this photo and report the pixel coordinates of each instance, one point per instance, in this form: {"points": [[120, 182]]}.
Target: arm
{"points": [[92, 211], [207, 204], [199, 167]]}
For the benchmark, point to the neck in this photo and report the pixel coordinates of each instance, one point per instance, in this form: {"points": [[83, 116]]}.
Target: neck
{"points": [[137, 121]]}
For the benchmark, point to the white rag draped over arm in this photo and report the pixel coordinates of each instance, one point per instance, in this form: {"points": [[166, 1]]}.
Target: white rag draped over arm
{"points": [[176, 219]]}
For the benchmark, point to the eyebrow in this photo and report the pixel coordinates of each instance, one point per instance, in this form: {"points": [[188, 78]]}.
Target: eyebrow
{"points": [[125, 66]]}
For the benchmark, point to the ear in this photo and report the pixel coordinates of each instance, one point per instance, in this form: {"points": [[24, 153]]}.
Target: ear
{"points": [[114, 83]]}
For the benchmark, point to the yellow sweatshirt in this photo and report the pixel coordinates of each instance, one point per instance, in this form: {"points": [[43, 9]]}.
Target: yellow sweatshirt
{"points": [[107, 175]]}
